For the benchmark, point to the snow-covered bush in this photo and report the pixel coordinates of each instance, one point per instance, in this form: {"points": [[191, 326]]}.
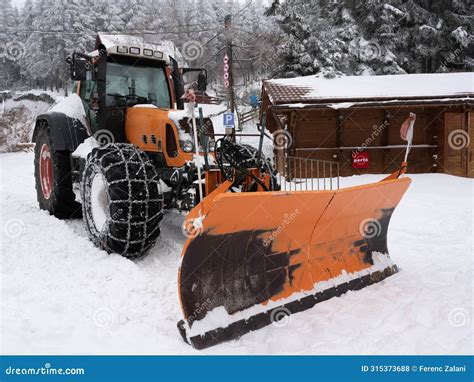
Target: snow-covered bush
{"points": [[461, 36], [16, 127]]}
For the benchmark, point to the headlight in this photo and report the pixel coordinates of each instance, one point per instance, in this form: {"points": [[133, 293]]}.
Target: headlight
{"points": [[211, 145], [187, 146]]}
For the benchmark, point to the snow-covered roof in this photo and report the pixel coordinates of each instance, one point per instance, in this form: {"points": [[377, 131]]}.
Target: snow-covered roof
{"points": [[386, 102], [312, 89], [112, 41]]}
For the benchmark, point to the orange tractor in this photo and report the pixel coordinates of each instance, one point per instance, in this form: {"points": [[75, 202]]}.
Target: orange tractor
{"points": [[121, 150]]}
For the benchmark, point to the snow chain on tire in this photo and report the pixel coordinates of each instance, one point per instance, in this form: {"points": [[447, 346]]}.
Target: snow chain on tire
{"points": [[134, 199]]}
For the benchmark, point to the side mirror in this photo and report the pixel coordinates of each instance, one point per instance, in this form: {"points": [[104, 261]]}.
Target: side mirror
{"points": [[202, 82], [78, 67]]}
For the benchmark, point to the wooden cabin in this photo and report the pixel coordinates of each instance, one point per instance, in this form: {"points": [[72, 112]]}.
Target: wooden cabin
{"points": [[356, 121]]}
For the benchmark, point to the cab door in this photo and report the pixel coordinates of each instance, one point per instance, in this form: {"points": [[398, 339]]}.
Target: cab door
{"points": [[86, 91]]}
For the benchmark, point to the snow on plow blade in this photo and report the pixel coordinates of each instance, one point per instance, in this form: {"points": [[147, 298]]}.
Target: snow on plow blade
{"points": [[260, 256]]}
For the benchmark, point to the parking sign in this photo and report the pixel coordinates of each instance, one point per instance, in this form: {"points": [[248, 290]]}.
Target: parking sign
{"points": [[229, 120]]}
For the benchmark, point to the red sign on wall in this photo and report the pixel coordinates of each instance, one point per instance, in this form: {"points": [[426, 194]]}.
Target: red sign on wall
{"points": [[360, 159]]}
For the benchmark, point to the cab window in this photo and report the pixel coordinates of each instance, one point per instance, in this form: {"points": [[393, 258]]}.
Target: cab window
{"points": [[137, 83], [86, 89]]}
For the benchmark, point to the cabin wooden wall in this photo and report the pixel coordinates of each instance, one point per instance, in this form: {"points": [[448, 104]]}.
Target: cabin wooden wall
{"points": [[470, 127], [323, 131]]}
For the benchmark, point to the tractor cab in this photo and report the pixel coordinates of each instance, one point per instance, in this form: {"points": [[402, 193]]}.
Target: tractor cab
{"points": [[129, 88]]}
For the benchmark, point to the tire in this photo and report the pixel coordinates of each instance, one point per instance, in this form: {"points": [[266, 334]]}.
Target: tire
{"points": [[122, 202], [53, 178]]}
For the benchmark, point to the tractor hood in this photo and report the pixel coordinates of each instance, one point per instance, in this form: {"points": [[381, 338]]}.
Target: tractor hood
{"points": [[147, 126]]}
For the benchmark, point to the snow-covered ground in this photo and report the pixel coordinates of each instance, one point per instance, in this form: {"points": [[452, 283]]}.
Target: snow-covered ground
{"points": [[60, 294]]}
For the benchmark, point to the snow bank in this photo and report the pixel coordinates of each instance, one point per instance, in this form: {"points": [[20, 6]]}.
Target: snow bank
{"points": [[18, 114]]}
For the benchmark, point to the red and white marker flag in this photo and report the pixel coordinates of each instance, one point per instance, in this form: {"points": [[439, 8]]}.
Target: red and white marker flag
{"points": [[406, 131]]}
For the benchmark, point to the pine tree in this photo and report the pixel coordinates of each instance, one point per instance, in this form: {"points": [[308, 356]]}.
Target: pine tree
{"points": [[374, 37], [135, 16], [288, 38], [11, 45]]}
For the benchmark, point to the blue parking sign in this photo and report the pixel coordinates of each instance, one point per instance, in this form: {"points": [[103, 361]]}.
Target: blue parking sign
{"points": [[229, 120]]}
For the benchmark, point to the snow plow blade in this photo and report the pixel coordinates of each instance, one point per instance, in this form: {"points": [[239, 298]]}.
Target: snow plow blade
{"points": [[260, 256]]}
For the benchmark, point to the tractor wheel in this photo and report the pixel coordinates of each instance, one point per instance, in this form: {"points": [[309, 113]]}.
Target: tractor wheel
{"points": [[53, 178], [121, 199]]}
